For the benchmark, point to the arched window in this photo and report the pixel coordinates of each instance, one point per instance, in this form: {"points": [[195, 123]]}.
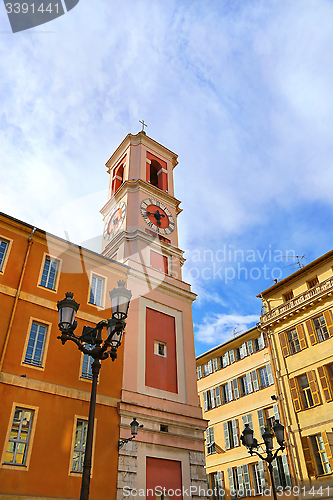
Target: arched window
{"points": [[118, 178]]}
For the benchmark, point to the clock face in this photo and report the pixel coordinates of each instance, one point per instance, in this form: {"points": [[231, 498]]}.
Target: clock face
{"points": [[157, 216], [115, 220]]}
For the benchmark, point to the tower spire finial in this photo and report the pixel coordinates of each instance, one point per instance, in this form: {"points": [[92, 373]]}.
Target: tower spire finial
{"points": [[143, 125]]}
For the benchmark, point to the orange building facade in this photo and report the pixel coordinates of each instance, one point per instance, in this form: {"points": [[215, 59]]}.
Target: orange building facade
{"points": [[44, 385]]}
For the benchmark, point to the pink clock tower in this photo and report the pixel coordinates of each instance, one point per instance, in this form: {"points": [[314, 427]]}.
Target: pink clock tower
{"points": [[159, 378]]}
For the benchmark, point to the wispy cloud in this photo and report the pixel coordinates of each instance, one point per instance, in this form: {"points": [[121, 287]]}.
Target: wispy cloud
{"points": [[218, 328]]}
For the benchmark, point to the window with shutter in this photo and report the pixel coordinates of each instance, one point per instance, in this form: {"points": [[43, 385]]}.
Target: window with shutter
{"points": [[286, 470], [232, 356], [262, 474], [255, 380], [247, 481], [210, 367], [218, 396], [328, 442], [249, 346], [235, 431], [311, 332], [261, 419], [284, 344], [313, 387], [261, 341], [277, 479], [270, 374], [249, 383], [276, 412], [199, 372], [307, 456], [235, 388], [220, 484], [244, 350], [241, 492], [215, 364], [205, 399], [326, 376], [230, 395], [247, 419], [301, 336], [293, 341], [295, 395], [210, 439], [232, 488], [329, 322], [225, 359], [322, 453], [212, 398], [226, 436]]}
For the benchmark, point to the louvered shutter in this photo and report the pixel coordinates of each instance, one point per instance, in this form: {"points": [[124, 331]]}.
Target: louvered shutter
{"points": [[226, 435], [295, 396], [325, 383], [307, 456], [276, 475], [232, 355], [284, 344], [247, 481], [249, 383], [286, 470], [261, 341], [328, 442], [233, 492], [276, 412], [255, 380], [312, 334], [235, 388], [244, 349], [329, 322], [262, 475], [247, 419], [215, 365], [229, 387], [199, 372], [218, 395], [219, 361], [261, 420], [205, 398], [269, 374], [313, 387], [234, 424], [220, 484], [225, 359], [250, 346], [210, 367], [301, 336], [212, 398], [241, 492]]}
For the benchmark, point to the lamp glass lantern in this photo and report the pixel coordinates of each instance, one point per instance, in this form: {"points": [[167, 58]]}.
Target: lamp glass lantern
{"points": [[268, 439], [120, 300], [248, 436], [67, 309], [134, 426], [279, 432]]}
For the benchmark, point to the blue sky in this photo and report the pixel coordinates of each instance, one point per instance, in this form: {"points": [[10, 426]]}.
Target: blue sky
{"points": [[240, 90]]}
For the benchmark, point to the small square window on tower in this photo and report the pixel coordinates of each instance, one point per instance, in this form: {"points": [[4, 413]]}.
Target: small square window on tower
{"points": [[160, 348]]}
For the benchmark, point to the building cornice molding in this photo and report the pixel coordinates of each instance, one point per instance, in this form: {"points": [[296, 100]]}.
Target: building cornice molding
{"points": [[298, 303]]}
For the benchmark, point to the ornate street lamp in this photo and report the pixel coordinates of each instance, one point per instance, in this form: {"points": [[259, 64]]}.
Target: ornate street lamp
{"points": [[134, 430], [252, 445], [67, 307]]}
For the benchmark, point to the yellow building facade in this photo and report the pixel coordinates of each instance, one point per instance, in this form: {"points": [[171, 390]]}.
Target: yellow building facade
{"points": [[236, 382], [298, 322]]}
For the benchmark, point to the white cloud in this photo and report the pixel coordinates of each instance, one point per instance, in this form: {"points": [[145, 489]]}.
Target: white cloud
{"points": [[218, 328]]}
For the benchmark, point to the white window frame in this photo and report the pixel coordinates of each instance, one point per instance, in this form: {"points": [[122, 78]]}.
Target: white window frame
{"points": [[4, 261], [57, 276], [102, 279], [157, 345]]}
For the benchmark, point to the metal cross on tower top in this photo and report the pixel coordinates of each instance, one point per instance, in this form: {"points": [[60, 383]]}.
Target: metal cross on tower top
{"points": [[143, 125]]}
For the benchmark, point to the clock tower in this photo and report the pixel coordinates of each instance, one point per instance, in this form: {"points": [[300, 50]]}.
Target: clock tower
{"points": [[159, 378]]}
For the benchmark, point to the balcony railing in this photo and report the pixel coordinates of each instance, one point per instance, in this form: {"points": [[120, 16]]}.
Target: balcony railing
{"points": [[300, 301]]}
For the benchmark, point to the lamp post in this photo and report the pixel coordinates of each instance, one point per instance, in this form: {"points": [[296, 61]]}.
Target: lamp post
{"points": [[252, 444], [120, 300], [134, 430]]}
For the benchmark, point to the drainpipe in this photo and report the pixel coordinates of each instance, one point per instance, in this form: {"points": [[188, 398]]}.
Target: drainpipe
{"points": [[17, 296]]}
